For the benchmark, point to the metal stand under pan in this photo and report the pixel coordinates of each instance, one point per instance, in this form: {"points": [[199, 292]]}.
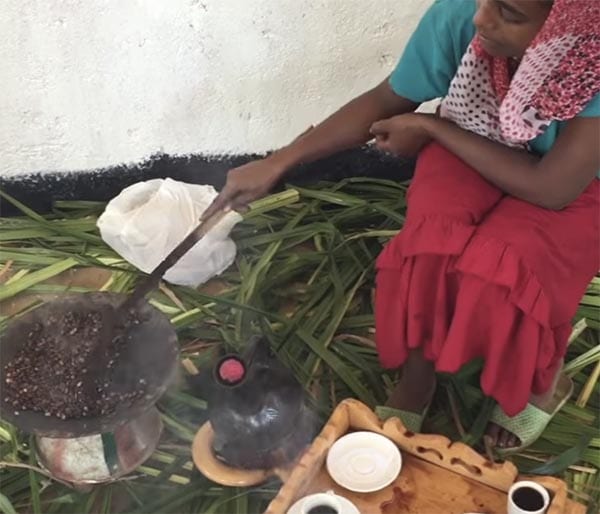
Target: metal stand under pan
{"points": [[100, 449]]}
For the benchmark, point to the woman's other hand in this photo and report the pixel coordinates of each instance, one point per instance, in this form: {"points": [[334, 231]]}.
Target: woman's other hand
{"points": [[404, 135]]}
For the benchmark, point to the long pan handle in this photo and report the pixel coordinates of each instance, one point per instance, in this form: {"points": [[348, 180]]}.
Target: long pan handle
{"points": [[151, 281]]}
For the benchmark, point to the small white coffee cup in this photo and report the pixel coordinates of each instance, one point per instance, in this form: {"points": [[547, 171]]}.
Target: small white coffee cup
{"points": [[320, 500], [527, 497]]}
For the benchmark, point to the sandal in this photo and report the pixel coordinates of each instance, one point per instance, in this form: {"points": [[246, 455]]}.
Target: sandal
{"points": [[413, 421], [531, 422]]}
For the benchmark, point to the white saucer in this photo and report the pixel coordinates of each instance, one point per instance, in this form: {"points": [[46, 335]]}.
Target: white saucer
{"points": [[343, 505], [364, 462]]}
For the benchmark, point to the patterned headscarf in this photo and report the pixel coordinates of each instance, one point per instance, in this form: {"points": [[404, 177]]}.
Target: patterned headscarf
{"points": [[558, 75]]}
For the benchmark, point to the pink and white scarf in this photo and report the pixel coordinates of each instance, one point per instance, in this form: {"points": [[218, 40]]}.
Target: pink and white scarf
{"points": [[558, 75]]}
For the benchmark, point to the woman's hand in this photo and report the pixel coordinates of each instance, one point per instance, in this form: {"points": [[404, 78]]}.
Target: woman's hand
{"points": [[246, 184], [404, 135]]}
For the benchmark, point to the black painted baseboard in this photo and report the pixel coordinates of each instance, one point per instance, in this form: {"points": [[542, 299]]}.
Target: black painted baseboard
{"points": [[39, 190]]}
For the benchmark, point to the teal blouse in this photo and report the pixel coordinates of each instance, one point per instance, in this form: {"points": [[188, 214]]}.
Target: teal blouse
{"points": [[434, 52]]}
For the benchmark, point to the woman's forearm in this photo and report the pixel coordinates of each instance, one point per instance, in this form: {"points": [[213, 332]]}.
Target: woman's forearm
{"points": [[546, 181], [346, 128], [510, 169]]}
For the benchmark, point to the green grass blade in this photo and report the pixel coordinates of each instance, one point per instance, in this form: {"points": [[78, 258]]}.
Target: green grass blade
{"points": [[561, 462], [10, 290], [34, 485], [6, 507]]}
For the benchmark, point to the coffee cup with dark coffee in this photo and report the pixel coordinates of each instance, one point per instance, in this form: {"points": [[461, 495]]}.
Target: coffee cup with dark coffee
{"points": [[527, 497], [323, 503]]}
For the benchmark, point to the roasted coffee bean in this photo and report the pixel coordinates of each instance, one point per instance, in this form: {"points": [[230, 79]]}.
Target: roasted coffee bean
{"points": [[50, 374]]}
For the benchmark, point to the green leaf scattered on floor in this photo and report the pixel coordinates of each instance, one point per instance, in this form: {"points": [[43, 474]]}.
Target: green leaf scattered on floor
{"points": [[303, 278]]}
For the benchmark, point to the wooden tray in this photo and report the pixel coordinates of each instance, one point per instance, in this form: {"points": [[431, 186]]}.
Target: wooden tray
{"points": [[437, 476]]}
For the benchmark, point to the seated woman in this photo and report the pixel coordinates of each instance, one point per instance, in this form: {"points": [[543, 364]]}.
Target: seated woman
{"points": [[503, 224]]}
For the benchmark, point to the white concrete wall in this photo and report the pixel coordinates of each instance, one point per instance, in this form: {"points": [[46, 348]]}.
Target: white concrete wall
{"points": [[92, 83]]}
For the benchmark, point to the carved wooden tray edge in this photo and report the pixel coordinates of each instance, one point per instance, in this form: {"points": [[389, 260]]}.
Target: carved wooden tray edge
{"points": [[436, 449]]}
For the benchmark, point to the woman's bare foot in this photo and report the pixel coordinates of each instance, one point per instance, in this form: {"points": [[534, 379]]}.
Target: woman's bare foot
{"points": [[548, 402], [416, 386]]}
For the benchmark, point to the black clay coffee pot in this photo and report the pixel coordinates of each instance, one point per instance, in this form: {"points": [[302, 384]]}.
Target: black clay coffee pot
{"points": [[257, 409]]}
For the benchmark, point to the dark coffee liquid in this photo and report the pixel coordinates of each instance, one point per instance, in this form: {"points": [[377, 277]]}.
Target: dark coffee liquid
{"points": [[528, 499], [322, 509]]}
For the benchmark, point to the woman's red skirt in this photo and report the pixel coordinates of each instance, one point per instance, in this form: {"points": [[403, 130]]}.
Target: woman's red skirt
{"points": [[475, 273]]}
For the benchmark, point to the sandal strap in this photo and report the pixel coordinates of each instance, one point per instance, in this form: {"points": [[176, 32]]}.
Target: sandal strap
{"points": [[528, 425], [531, 422], [413, 421]]}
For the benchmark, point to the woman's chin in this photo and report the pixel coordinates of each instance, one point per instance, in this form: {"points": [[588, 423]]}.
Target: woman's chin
{"points": [[493, 48]]}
